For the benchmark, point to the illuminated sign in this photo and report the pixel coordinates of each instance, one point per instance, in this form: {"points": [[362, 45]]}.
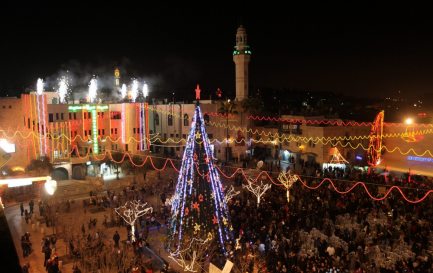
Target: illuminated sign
{"points": [[6, 146], [420, 159], [74, 108]]}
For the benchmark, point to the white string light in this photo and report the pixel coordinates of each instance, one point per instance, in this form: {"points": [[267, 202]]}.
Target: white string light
{"points": [[186, 258], [230, 194], [287, 180], [131, 211], [257, 190]]}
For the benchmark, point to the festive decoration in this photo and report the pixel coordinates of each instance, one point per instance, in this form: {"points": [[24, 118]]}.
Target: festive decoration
{"points": [[375, 147], [230, 193], [93, 90], [199, 208], [287, 180], [123, 91], [257, 190], [134, 90], [145, 90], [188, 257], [131, 211], [197, 92], [63, 89], [337, 158]]}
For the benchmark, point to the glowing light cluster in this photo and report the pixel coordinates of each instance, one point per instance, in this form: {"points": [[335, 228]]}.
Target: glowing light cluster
{"points": [[134, 90], [123, 91], [93, 90], [145, 90], [63, 89], [40, 87]]}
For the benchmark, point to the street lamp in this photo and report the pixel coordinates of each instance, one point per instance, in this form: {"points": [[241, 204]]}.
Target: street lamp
{"points": [[408, 121]]}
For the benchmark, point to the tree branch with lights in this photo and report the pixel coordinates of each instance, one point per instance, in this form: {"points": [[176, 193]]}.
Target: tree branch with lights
{"points": [[287, 180], [257, 190], [131, 211]]}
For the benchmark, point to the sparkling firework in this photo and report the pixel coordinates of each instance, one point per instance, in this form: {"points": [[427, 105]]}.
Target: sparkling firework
{"points": [[63, 89], [123, 91], [145, 90], [93, 88], [134, 90], [40, 87]]}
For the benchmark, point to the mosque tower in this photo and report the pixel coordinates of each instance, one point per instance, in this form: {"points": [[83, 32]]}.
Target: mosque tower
{"points": [[241, 57]]}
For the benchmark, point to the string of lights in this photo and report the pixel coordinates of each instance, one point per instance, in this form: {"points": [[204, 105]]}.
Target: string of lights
{"points": [[262, 175]]}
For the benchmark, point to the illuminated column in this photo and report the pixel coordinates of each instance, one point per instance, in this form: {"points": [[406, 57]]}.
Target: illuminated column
{"points": [[123, 123], [95, 131]]}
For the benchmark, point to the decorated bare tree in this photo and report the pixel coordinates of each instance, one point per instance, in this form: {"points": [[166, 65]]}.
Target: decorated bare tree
{"points": [[287, 180], [256, 189], [131, 211], [230, 193]]}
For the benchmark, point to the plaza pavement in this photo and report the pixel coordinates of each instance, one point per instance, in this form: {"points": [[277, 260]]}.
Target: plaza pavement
{"points": [[77, 191]]}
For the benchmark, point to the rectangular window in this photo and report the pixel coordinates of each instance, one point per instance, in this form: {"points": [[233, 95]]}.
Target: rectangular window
{"points": [[210, 136], [70, 115], [165, 136], [115, 115], [61, 116], [133, 130], [177, 135], [50, 117], [111, 130], [57, 116], [138, 147], [85, 133], [75, 115], [171, 135], [85, 115], [99, 132], [90, 132], [184, 136], [28, 122], [90, 115], [103, 132], [115, 131], [76, 133], [126, 147]]}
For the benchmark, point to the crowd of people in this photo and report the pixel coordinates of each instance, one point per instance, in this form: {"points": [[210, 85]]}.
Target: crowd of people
{"points": [[324, 231]]}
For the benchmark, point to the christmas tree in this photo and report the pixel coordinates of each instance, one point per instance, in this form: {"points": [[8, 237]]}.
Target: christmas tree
{"points": [[199, 211]]}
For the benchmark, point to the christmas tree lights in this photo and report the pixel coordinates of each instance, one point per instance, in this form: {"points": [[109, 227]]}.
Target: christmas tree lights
{"points": [[199, 209]]}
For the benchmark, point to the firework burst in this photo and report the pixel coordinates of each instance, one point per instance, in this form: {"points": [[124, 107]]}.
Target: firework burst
{"points": [[93, 89]]}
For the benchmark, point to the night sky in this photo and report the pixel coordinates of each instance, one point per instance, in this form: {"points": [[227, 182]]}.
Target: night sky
{"points": [[360, 51]]}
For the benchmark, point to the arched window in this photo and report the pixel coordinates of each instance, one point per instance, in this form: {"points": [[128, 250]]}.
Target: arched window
{"points": [[185, 120], [156, 118], [170, 120]]}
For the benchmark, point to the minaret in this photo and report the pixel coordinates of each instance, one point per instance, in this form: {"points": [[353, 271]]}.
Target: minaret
{"points": [[117, 78], [241, 57]]}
